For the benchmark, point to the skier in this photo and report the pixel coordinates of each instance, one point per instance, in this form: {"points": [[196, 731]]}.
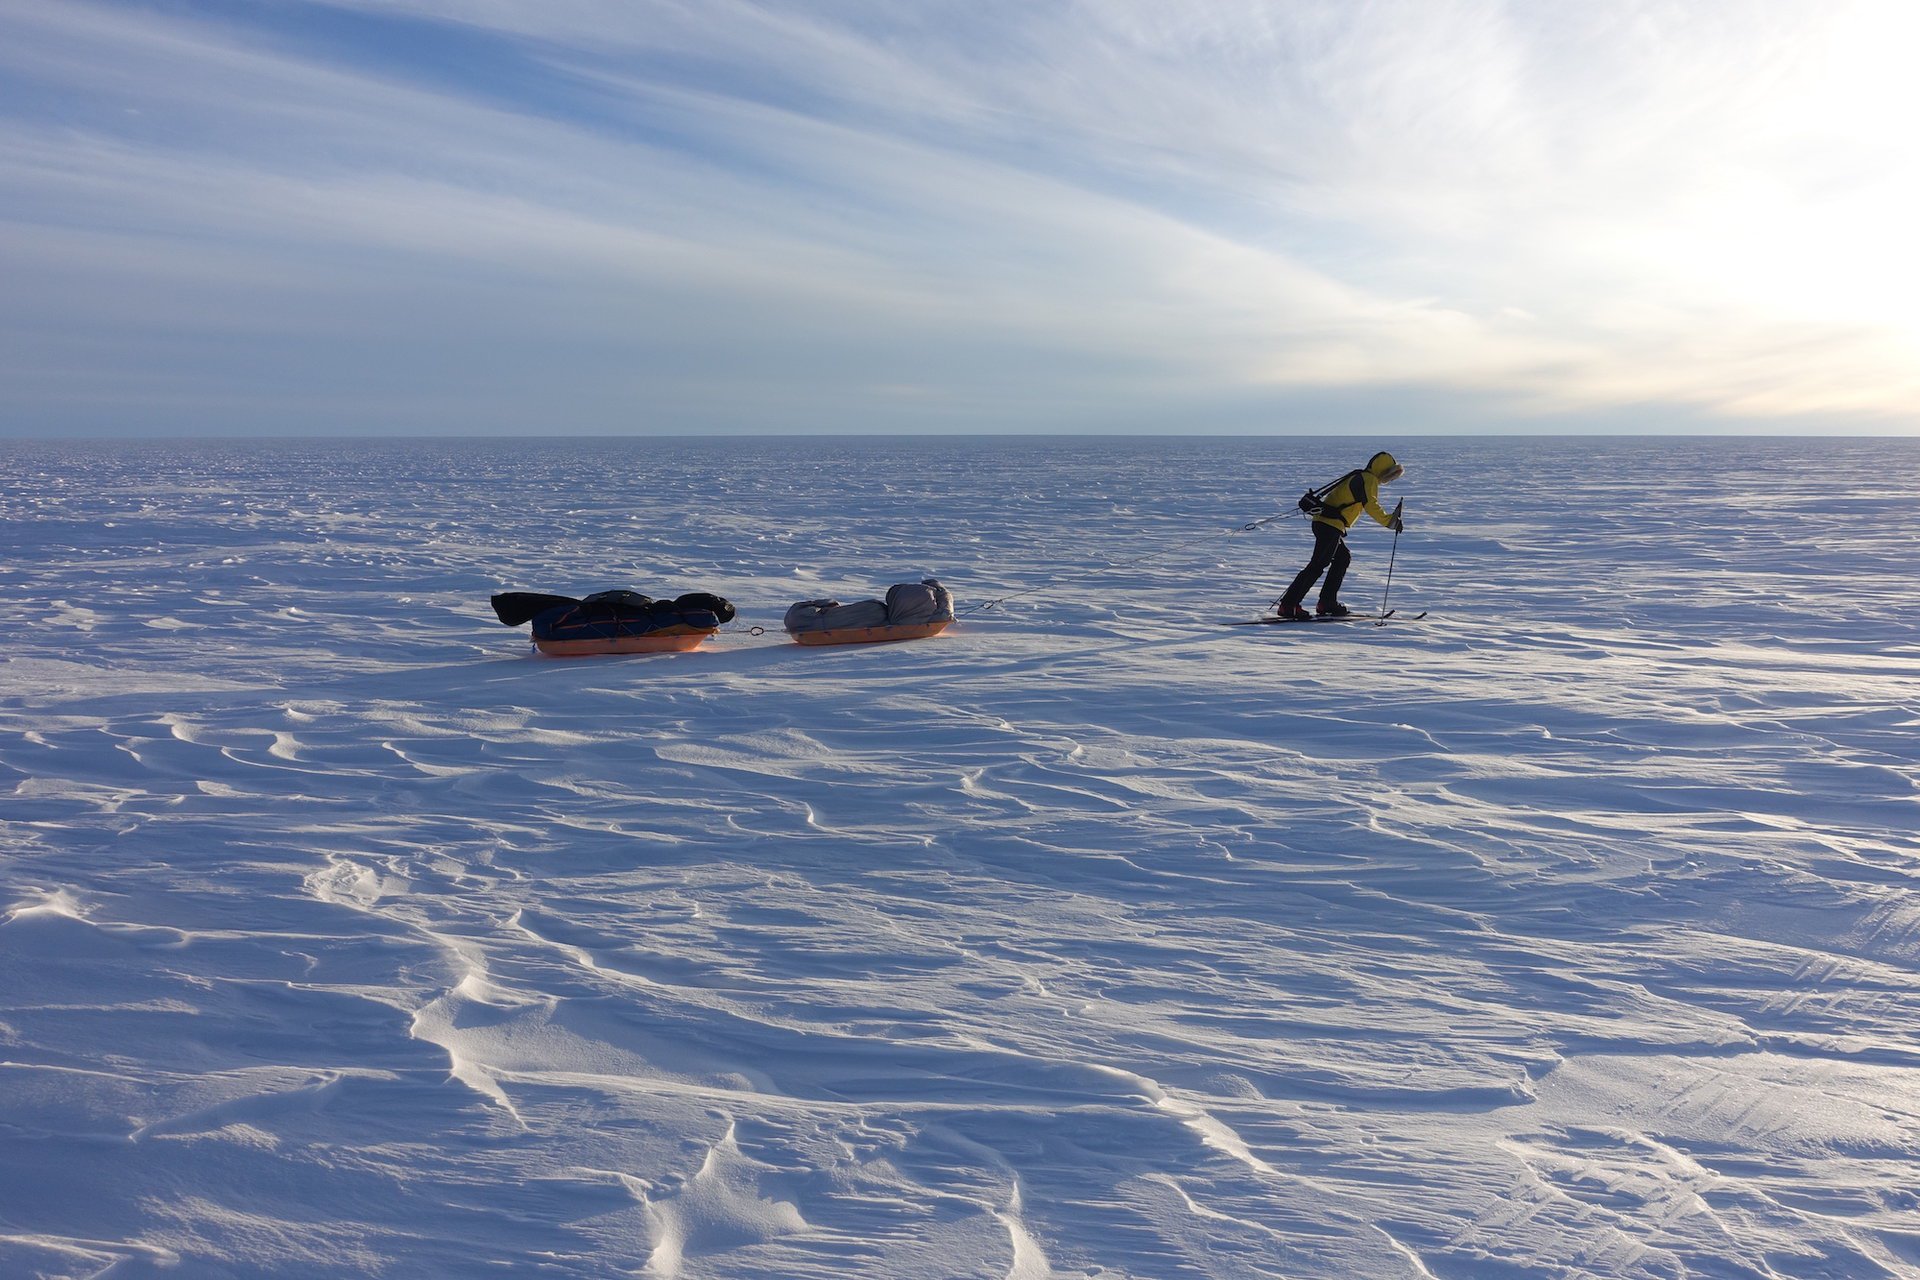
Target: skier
{"points": [[1334, 508]]}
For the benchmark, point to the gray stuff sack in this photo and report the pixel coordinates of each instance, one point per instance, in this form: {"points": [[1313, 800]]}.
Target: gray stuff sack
{"points": [[831, 615], [913, 603]]}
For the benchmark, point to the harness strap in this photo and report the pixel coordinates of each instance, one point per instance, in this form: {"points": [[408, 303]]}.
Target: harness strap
{"points": [[1355, 486]]}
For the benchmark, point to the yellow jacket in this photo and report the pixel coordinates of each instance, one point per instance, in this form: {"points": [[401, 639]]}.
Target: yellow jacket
{"points": [[1359, 491]]}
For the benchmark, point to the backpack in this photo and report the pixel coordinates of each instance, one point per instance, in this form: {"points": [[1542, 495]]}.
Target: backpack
{"points": [[1314, 501]]}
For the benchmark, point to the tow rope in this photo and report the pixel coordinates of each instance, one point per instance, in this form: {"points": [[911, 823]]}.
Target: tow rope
{"points": [[1151, 556]]}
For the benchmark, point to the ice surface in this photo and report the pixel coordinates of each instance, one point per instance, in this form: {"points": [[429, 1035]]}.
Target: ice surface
{"points": [[1572, 931]]}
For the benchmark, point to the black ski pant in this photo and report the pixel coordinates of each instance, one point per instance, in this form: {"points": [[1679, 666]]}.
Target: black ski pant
{"points": [[1330, 555]]}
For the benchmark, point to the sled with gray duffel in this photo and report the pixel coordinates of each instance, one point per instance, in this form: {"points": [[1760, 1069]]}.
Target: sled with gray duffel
{"points": [[911, 611]]}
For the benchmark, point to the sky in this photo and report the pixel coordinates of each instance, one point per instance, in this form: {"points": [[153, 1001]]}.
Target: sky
{"points": [[501, 217]]}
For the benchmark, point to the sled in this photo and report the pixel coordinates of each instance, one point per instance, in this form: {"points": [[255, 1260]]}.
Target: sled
{"points": [[872, 635], [666, 640]]}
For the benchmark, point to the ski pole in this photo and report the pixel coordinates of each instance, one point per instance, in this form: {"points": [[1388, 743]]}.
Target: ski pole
{"points": [[1393, 555]]}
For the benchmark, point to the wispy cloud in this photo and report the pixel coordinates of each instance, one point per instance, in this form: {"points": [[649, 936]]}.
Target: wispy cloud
{"points": [[456, 214]]}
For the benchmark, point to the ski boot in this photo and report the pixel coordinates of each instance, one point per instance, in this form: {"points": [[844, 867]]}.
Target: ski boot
{"points": [[1293, 612], [1331, 609]]}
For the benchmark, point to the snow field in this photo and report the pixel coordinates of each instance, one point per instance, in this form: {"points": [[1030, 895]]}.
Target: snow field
{"points": [[1572, 931]]}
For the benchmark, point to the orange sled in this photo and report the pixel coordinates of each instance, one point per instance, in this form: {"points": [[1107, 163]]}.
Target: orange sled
{"points": [[871, 635], [666, 640]]}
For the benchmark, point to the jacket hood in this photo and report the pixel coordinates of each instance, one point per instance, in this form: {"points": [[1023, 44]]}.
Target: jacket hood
{"points": [[1383, 466]]}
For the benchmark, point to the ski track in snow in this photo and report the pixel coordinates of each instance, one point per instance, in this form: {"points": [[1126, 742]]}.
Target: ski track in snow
{"points": [[1572, 931]]}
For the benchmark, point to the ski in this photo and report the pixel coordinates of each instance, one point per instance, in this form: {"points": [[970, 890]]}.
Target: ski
{"points": [[1349, 617]]}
